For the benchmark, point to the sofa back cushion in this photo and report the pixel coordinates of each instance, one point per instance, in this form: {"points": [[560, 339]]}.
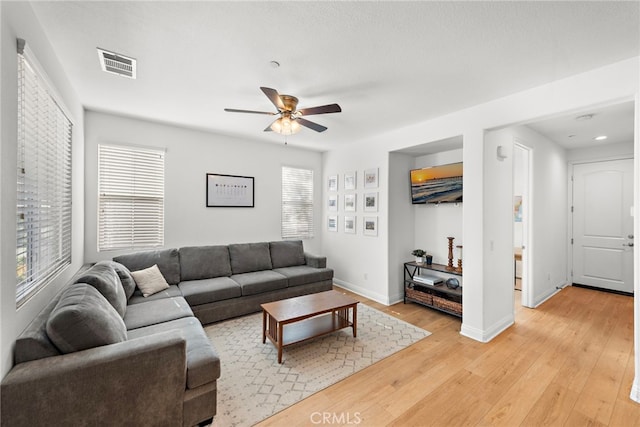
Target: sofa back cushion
{"points": [[126, 279], [287, 253], [84, 319], [248, 257], [167, 260], [204, 262], [104, 278], [34, 343]]}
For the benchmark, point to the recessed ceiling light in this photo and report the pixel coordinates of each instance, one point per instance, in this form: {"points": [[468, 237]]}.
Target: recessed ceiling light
{"points": [[584, 117], [600, 138]]}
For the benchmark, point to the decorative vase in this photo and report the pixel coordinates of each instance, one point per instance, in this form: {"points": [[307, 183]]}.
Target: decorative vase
{"points": [[429, 259]]}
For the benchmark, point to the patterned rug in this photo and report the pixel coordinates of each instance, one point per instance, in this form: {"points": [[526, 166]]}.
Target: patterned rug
{"points": [[253, 385]]}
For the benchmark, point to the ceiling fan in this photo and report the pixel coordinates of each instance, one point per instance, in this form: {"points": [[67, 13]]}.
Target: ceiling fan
{"points": [[290, 118]]}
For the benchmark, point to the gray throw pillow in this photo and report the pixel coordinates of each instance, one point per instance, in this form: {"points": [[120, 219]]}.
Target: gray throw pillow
{"points": [[104, 278], [84, 319], [287, 253], [126, 279]]}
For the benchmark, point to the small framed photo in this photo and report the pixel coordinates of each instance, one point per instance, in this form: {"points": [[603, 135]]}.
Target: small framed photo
{"points": [[350, 202], [332, 223], [333, 183], [350, 224], [371, 202], [332, 205], [371, 178], [370, 225], [350, 181]]}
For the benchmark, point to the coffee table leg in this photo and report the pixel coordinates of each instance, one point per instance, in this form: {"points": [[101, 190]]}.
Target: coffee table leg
{"points": [[280, 342], [264, 326], [355, 320]]}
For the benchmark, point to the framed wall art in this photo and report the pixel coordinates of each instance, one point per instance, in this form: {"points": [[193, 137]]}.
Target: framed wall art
{"points": [[333, 183], [370, 225], [350, 224], [332, 203], [332, 223], [350, 181], [371, 178], [350, 202], [370, 202], [229, 191]]}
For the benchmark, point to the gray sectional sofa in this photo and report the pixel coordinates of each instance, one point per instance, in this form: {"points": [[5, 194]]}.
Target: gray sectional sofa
{"points": [[101, 353]]}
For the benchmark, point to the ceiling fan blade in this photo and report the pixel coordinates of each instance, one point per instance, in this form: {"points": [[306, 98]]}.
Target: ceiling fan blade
{"points": [[273, 96], [324, 109], [311, 125], [268, 128], [233, 110]]}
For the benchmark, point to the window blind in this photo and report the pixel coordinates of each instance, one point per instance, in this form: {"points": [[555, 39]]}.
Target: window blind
{"points": [[43, 202], [297, 203], [131, 197]]}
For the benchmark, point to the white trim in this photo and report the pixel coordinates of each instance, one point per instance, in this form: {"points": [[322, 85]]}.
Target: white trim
{"points": [[379, 298], [488, 334]]}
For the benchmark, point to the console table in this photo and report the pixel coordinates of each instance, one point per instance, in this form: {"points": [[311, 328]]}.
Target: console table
{"points": [[439, 297]]}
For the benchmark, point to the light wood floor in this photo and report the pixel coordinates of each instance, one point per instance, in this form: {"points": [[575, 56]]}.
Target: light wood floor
{"points": [[568, 362]]}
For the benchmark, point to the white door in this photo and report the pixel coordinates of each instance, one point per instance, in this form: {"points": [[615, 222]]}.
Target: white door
{"points": [[603, 225]]}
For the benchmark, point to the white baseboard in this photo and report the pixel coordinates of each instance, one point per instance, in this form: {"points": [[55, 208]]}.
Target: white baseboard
{"points": [[488, 334], [382, 299], [543, 298], [635, 391]]}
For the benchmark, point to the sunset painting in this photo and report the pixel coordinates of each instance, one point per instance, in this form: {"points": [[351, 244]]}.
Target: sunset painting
{"points": [[438, 184]]}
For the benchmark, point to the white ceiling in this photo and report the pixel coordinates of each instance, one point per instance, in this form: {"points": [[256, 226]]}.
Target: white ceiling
{"points": [[388, 64]]}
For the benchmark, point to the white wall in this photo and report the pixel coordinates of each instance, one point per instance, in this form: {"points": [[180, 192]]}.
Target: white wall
{"points": [[548, 213], [434, 223], [18, 21], [190, 155], [601, 152], [359, 261], [402, 232], [602, 86]]}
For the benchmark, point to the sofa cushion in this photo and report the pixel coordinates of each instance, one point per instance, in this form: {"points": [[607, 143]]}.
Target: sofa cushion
{"points": [[170, 292], [303, 274], [203, 363], [204, 262], [258, 282], [126, 279], [287, 253], [248, 257], [204, 291], [157, 311], [104, 278], [84, 319], [150, 280], [167, 260]]}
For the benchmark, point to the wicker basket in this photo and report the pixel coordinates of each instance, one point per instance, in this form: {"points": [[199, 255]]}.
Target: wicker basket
{"points": [[446, 304], [419, 296]]}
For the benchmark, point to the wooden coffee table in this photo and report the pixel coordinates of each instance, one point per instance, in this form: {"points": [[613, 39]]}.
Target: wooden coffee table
{"points": [[307, 317]]}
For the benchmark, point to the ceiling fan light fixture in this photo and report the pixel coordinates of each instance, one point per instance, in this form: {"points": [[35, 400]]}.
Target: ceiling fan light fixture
{"points": [[285, 126]]}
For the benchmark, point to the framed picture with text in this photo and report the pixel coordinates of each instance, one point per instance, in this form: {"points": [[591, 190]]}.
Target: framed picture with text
{"points": [[229, 191]]}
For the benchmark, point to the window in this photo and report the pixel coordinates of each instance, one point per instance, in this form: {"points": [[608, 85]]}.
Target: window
{"points": [[43, 202], [130, 197], [297, 203]]}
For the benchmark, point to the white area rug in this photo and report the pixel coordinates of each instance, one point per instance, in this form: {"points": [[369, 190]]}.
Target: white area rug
{"points": [[253, 385]]}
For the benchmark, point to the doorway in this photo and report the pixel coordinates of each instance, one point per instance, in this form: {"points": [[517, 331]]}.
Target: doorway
{"points": [[521, 220], [602, 219]]}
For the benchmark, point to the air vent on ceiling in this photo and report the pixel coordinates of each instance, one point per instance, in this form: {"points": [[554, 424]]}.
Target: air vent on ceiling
{"points": [[117, 64]]}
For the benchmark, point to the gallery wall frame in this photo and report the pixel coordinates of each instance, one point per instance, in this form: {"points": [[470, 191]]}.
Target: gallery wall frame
{"points": [[332, 203], [230, 191], [350, 224], [332, 183], [332, 223], [350, 202], [350, 180], [370, 225], [371, 178], [370, 202]]}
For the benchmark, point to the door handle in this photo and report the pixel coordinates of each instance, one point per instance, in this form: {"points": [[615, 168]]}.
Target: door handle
{"points": [[630, 236], [630, 244]]}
